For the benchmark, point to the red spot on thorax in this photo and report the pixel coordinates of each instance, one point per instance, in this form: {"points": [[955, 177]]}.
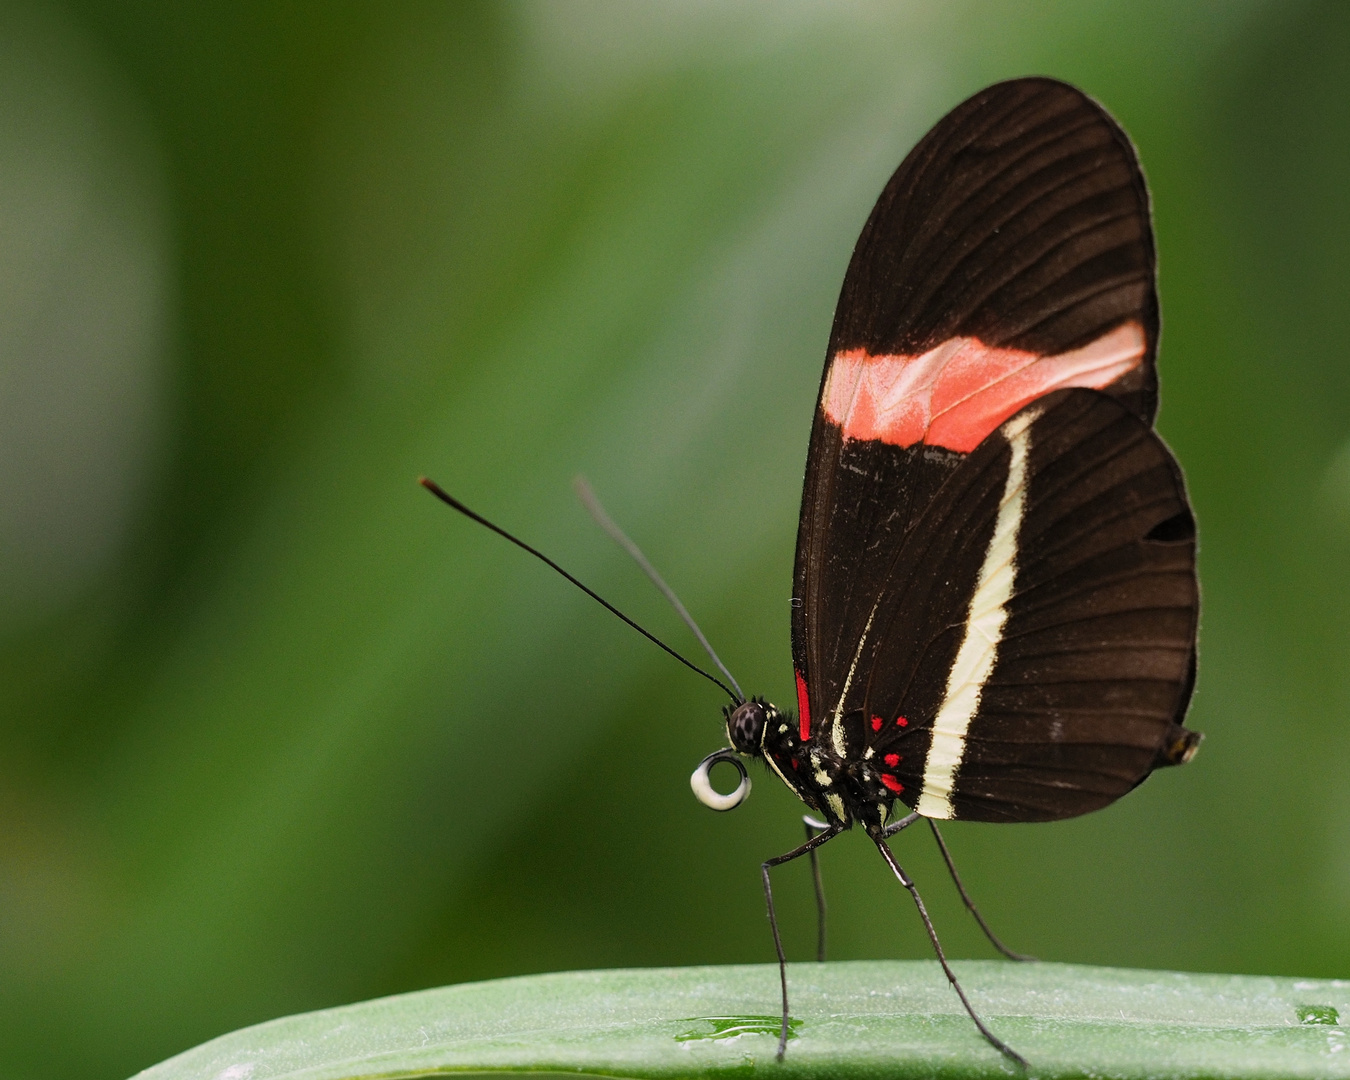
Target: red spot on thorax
{"points": [[876, 723], [955, 394], [900, 721], [892, 760], [803, 707], [892, 783]]}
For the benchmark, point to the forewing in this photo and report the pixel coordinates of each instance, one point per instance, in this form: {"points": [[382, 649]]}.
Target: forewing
{"points": [[1021, 219], [1009, 256]]}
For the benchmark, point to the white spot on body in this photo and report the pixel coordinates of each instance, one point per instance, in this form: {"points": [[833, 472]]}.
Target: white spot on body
{"points": [[984, 630], [837, 805]]}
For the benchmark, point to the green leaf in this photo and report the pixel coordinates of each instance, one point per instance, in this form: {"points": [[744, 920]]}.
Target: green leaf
{"points": [[892, 1019]]}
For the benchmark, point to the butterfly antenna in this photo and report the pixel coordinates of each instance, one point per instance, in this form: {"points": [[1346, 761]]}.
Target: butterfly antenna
{"points": [[592, 503], [455, 504]]}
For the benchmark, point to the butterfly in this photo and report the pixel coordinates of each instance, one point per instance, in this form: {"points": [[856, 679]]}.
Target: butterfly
{"points": [[995, 601]]}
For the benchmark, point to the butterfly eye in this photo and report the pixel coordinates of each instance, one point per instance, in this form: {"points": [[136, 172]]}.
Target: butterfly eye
{"points": [[745, 726], [710, 796]]}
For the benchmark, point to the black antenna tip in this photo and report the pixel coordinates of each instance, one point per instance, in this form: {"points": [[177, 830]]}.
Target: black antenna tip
{"points": [[435, 489]]}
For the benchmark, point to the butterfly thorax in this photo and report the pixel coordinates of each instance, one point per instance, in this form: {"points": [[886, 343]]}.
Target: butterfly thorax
{"points": [[843, 790]]}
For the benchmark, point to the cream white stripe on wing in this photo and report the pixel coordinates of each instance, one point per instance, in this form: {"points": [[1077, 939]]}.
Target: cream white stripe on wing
{"points": [[837, 722], [984, 630]]}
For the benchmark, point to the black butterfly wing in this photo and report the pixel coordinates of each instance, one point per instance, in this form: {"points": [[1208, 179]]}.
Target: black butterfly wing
{"points": [[1030, 654], [1009, 256], [1021, 219]]}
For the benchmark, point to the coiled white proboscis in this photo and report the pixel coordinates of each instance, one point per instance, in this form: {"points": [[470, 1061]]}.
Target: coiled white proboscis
{"points": [[710, 796]]}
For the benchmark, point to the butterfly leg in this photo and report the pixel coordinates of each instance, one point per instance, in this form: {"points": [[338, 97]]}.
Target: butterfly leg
{"points": [[812, 828], [904, 823], [904, 879], [810, 846], [970, 904]]}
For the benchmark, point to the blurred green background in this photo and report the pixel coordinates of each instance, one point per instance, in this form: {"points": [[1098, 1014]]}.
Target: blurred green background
{"points": [[277, 731]]}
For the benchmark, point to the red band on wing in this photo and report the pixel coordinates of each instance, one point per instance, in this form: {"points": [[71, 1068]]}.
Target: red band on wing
{"points": [[803, 707], [956, 394]]}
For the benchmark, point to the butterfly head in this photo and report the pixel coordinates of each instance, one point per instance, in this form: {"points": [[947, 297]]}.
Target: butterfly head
{"points": [[746, 724]]}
